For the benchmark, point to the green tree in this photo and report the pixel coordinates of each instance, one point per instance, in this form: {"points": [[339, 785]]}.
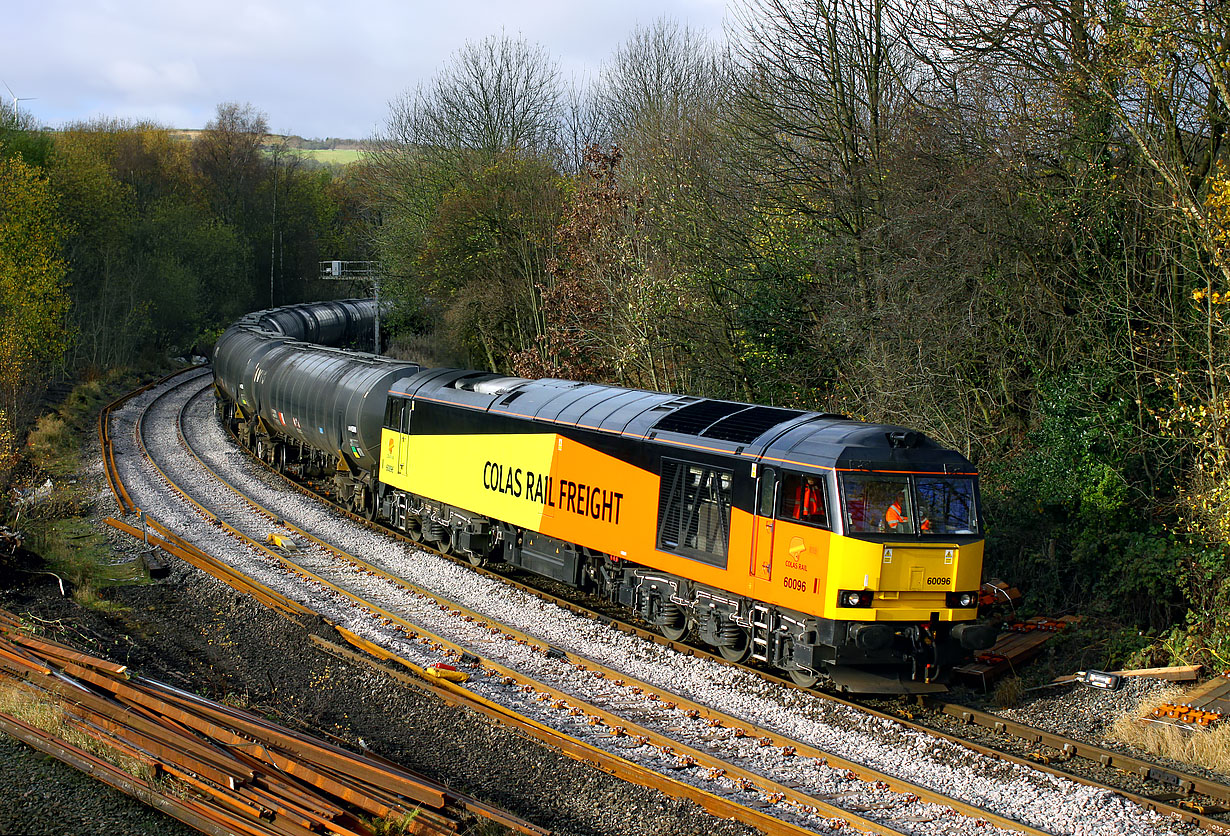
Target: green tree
{"points": [[33, 298], [468, 196]]}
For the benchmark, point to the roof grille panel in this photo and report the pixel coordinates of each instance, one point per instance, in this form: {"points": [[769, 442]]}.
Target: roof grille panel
{"points": [[694, 418], [748, 425]]}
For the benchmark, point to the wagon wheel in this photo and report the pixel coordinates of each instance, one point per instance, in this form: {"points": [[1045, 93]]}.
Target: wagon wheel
{"points": [[447, 545], [674, 634], [673, 624]]}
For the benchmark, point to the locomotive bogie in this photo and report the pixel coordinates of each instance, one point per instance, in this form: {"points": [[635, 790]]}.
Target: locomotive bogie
{"points": [[452, 530]]}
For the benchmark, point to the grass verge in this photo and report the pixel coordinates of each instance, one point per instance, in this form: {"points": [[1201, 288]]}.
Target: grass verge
{"points": [[1207, 747], [46, 713], [53, 500]]}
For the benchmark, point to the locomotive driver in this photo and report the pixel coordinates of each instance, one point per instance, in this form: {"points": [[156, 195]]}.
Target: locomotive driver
{"points": [[897, 521]]}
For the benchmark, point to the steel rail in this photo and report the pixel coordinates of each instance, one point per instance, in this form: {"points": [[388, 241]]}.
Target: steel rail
{"points": [[118, 490], [116, 778], [175, 545], [155, 724], [1070, 747], [569, 746], [863, 772]]}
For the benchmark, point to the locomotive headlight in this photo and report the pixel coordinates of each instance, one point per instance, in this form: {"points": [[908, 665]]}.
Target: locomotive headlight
{"points": [[854, 598], [962, 600]]}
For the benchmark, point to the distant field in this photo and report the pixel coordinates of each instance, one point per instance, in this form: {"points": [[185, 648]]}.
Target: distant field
{"points": [[326, 156], [338, 156]]}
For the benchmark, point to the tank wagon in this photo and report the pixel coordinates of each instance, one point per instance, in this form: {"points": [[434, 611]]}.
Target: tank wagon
{"points": [[810, 542]]}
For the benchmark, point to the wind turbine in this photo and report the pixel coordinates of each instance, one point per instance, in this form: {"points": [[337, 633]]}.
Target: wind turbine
{"points": [[17, 101]]}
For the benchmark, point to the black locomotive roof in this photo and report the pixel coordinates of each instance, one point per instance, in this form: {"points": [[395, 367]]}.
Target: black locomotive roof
{"points": [[844, 444], [784, 436]]}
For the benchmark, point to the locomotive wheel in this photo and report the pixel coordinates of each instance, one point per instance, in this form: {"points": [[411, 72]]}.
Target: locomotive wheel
{"points": [[736, 644], [804, 679], [446, 545], [673, 625], [414, 529], [674, 633], [475, 559]]}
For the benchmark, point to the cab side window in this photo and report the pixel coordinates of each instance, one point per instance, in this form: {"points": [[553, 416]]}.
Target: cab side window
{"points": [[768, 490], [804, 498], [397, 414]]}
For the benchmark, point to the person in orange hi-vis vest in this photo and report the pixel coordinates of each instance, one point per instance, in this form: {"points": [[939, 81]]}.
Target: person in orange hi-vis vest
{"points": [[810, 505], [895, 517]]}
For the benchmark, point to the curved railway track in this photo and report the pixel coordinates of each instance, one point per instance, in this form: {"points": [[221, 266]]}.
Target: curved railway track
{"points": [[651, 716]]}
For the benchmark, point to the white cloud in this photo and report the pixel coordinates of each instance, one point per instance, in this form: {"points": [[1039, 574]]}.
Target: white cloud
{"points": [[145, 82], [315, 68]]}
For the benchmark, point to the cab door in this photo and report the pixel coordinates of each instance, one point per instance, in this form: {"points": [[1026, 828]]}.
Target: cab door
{"points": [[403, 446], [767, 486]]}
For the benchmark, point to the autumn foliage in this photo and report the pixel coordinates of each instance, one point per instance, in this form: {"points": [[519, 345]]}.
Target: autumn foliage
{"points": [[33, 294]]}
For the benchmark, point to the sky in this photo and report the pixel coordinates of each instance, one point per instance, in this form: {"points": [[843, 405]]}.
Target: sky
{"points": [[315, 69]]}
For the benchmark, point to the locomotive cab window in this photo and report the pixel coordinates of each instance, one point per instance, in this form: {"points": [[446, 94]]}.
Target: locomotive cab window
{"points": [[947, 502], [694, 511], [804, 499], [877, 504], [918, 505], [767, 493]]}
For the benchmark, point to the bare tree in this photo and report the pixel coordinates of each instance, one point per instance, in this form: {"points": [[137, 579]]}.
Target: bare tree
{"points": [[1152, 76], [584, 126], [467, 184], [494, 95], [660, 81], [227, 155], [827, 83]]}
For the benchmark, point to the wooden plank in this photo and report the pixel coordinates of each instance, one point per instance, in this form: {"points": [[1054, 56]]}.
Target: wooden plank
{"points": [[1021, 642], [1178, 673], [1208, 691]]}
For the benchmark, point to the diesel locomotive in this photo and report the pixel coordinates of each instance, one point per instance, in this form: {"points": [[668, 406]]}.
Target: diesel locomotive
{"points": [[810, 542]]}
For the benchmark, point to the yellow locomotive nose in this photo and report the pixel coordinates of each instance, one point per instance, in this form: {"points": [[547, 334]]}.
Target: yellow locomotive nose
{"points": [[903, 581]]}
